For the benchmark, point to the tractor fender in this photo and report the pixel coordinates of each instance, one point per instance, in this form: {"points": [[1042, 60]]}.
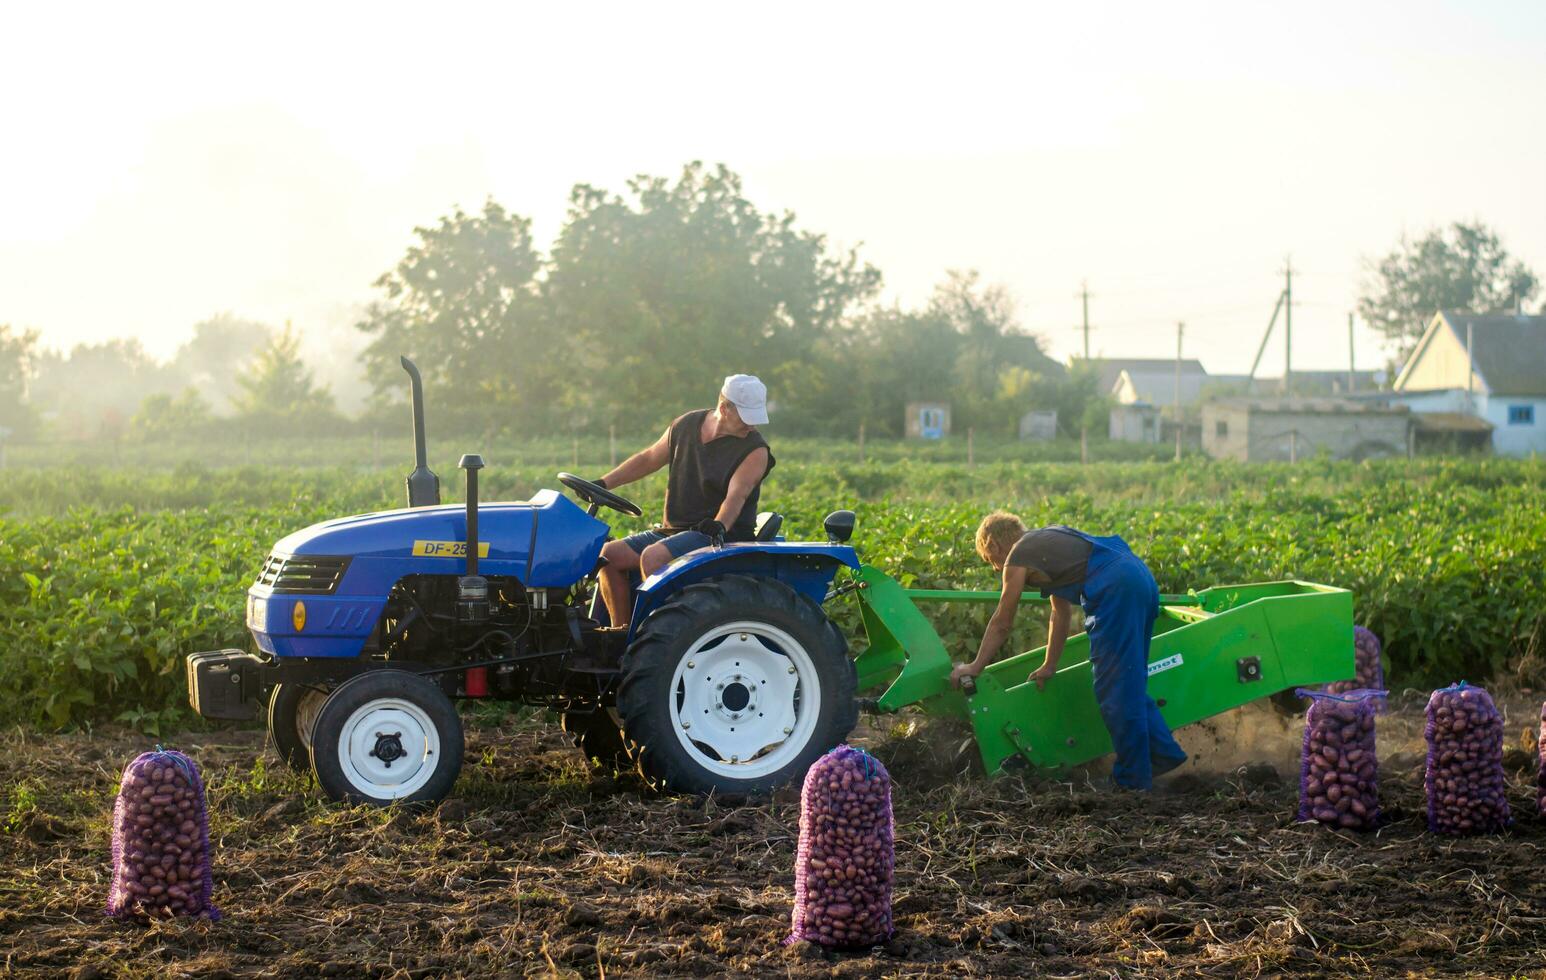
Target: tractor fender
{"points": [[806, 567]]}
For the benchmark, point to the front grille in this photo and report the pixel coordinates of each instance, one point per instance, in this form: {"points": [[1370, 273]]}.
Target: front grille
{"points": [[302, 573]]}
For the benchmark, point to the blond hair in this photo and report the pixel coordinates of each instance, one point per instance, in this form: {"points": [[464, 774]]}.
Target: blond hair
{"points": [[998, 532]]}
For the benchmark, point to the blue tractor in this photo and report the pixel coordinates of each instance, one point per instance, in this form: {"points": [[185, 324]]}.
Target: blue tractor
{"points": [[728, 679]]}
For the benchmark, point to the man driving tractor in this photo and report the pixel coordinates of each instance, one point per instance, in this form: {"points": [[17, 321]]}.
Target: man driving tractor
{"points": [[717, 461], [1121, 602]]}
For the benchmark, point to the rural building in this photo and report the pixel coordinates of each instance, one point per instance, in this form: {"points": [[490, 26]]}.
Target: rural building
{"points": [[1134, 423], [928, 420], [1490, 367], [1293, 428], [1039, 426], [1150, 381]]}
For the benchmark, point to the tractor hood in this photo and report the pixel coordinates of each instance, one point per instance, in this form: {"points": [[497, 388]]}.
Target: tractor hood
{"points": [[545, 542]]}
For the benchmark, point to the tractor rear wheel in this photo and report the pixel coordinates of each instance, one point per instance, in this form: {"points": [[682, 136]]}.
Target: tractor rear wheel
{"points": [[292, 714], [734, 687], [596, 735], [387, 736]]}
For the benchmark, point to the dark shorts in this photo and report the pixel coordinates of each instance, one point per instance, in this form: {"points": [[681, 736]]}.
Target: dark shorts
{"points": [[677, 544]]}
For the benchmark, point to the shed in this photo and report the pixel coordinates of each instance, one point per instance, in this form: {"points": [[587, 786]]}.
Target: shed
{"points": [[1288, 429], [928, 420], [1450, 432], [1134, 423], [1041, 426]]}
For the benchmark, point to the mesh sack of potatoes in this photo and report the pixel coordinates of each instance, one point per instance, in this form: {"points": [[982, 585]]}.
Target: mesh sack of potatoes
{"points": [[843, 868], [161, 860]]}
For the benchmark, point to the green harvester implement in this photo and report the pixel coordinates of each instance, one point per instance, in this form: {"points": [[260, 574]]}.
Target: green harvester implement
{"points": [[1213, 650]]}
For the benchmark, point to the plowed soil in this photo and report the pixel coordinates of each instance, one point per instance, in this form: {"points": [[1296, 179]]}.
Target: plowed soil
{"points": [[540, 865]]}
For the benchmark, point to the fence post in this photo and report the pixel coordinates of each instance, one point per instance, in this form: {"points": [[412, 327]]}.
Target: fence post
{"points": [[971, 457], [861, 442]]}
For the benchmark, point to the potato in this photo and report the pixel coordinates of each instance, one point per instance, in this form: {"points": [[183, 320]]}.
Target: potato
{"points": [[1464, 781], [1337, 784], [843, 868], [161, 840]]}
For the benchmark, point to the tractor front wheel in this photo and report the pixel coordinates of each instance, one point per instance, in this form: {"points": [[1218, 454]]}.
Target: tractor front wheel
{"points": [[292, 714], [734, 687], [387, 736]]}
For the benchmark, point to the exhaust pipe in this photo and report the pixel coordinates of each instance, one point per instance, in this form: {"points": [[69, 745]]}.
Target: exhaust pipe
{"points": [[423, 485], [472, 602]]}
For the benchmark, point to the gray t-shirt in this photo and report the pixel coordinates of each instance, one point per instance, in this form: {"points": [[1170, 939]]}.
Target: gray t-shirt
{"points": [[1056, 553]]}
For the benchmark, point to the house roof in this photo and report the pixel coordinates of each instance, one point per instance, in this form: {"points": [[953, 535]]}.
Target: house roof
{"points": [[1111, 368], [1159, 388], [1508, 351], [1451, 422]]}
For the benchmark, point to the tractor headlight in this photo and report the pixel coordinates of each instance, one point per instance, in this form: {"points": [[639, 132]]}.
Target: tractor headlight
{"points": [[257, 612]]}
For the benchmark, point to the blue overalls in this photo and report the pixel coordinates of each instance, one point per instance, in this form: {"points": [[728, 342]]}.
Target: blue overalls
{"points": [[1120, 603]]}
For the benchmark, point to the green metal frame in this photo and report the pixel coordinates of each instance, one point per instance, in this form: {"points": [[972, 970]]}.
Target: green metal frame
{"points": [[1212, 650]]}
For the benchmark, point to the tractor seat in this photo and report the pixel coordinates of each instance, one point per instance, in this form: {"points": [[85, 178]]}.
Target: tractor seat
{"points": [[766, 528]]}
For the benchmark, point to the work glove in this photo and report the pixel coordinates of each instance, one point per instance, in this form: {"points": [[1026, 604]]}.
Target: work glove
{"points": [[714, 530], [601, 482]]}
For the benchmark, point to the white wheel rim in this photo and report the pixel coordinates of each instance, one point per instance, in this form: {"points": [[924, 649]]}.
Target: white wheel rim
{"points": [[745, 697], [306, 711], [368, 745]]}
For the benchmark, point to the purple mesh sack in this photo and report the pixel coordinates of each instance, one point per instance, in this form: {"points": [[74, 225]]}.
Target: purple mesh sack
{"points": [[161, 865], [1465, 782], [1368, 675], [1540, 779], [1338, 770], [842, 871]]}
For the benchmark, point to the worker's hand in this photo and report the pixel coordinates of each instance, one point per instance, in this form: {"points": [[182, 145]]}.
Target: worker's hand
{"points": [[963, 671], [1040, 675], [714, 529]]}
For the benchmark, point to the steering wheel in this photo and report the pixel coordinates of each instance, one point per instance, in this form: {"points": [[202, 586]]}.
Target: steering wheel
{"points": [[598, 496]]}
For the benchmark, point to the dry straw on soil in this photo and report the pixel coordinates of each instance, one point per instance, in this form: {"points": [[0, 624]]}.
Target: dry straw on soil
{"points": [[539, 867]]}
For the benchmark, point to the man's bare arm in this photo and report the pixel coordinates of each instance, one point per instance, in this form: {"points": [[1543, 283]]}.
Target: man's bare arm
{"points": [[752, 469], [642, 463], [1057, 635], [999, 626]]}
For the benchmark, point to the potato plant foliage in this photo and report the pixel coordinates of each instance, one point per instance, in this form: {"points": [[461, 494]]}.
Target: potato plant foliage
{"points": [[112, 576]]}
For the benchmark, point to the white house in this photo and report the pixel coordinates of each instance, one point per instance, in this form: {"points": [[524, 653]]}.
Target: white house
{"points": [[1145, 381], [1491, 366]]}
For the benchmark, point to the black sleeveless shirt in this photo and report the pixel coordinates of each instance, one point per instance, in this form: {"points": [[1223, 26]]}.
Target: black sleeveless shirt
{"points": [[700, 475]]}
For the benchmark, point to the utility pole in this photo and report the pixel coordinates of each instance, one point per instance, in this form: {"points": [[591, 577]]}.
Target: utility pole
{"points": [[1084, 296], [1288, 328], [1352, 371], [1176, 408], [1084, 429]]}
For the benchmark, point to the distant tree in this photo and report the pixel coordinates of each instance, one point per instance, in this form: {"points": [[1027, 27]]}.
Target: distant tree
{"points": [[162, 415], [1000, 369], [1462, 267], [277, 387], [460, 303], [211, 357], [90, 391], [666, 289], [18, 350]]}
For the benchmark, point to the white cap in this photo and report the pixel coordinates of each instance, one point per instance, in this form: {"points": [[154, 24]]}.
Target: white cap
{"points": [[749, 396]]}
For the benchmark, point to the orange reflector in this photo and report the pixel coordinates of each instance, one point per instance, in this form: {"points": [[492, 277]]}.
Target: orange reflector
{"points": [[298, 615]]}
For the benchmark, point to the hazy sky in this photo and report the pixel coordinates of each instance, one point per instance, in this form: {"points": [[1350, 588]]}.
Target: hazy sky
{"points": [[162, 162]]}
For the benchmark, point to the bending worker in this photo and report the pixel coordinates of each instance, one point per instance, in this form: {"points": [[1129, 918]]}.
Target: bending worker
{"points": [[1120, 603], [717, 461]]}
